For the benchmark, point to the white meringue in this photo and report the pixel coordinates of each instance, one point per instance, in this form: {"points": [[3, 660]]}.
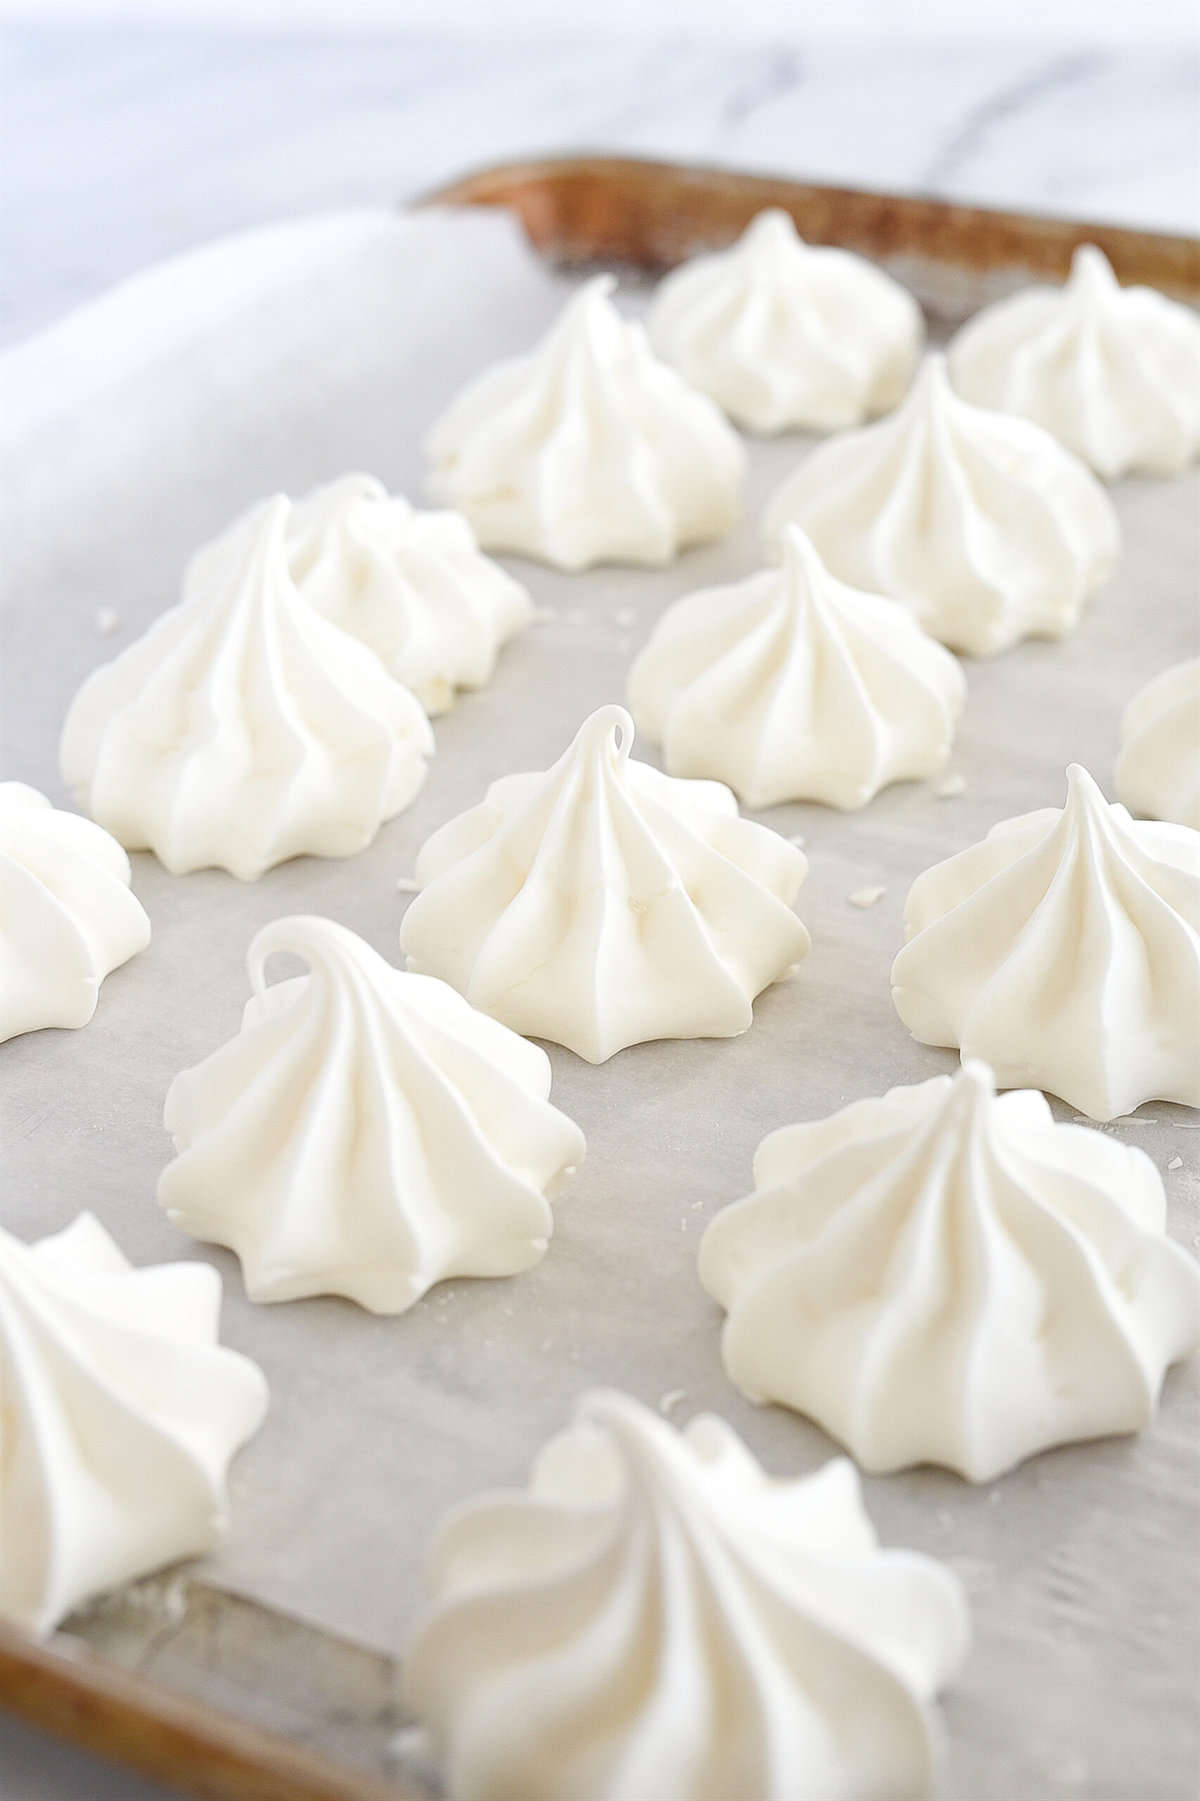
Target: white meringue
{"points": [[588, 450], [367, 1133], [121, 1414], [67, 914], [789, 685], [656, 1617], [1158, 770], [1113, 372], [413, 586], [1064, 949], [981, 523], [938, 1276], [601, 903], [242, 728], [787, 335]]}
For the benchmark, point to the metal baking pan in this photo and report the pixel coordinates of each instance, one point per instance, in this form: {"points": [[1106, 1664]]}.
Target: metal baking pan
{"points": [[227, 1696]]}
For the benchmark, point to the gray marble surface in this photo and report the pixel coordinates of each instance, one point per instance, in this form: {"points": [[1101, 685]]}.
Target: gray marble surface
{"points": [[121, 147]]}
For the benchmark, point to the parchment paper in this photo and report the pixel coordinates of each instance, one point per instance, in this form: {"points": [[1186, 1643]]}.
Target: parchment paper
{"points": [[138, 428]]}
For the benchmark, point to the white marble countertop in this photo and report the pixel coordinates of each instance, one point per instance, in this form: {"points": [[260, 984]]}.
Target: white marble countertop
{"points": [[121, 146]]}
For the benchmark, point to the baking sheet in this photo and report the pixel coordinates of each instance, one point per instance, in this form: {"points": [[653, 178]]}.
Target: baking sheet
{"points": [[135, 430]]}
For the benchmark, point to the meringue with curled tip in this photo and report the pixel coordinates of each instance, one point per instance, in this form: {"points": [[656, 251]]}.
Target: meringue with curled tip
{"points": [[68, 916], [656, 1616], [982, 524], [413, 586], [243, 729], [786, 335], [600, 903], [1113, 372], [1064, 950], [941, 1276], [789, 685], [122, 1413], [367, 1133], [1158, 769], [589, 449]]}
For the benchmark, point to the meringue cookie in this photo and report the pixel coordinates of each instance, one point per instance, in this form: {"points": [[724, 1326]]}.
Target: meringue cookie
{"points": [[1158, 770], [656, 1616], [1113, 372], [121, 1415], [1064, 949], [985, 526], [791, 686], [242, 728], [589, 450], [367, 1133], [413, 586], [938, 1276], [601, 903], [787, 335], [67, 915]]}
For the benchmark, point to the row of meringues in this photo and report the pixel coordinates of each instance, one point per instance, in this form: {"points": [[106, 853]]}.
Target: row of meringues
{"points": [[602, 903]]}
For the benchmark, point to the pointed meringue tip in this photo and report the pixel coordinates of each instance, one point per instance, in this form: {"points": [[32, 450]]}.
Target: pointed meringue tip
{"points": [[608, 725], [977, 1075], [292, 935], [1083, 788], [773, 225], [798, 554], [1091, 269], [594, 292]]}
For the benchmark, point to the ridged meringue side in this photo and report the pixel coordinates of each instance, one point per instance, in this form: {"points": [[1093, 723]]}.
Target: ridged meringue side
{"points": [[1113, 372], [589, 449], [415, 587], [68, 916], [1158, 769], [121, 1415], [601, 903], [939, 1276], [367, 1133], [979, 522], [1064, 950], [656, 1616], [242, 728], [789, 685], [786, 335]]}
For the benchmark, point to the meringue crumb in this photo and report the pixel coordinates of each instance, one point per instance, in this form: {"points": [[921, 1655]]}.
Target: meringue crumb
{"points": [[107, 621], [671, 1399], [407, 884], [949, 786], [627, 616], [866, 897], [1175, 1163], [798, 839]]}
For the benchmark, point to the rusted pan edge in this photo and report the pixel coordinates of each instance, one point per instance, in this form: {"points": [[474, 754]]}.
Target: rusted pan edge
{"points": [[106, 1710], [651, 215]]}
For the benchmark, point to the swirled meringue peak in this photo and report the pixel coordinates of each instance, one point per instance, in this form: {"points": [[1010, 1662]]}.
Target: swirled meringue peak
{"points": [[589, 450], [121, 1415], [785, 335], [981, 523], [655, 1616], [1158, 770], [1064, 950], [67, 914], [242, 728], [941, 1276], [367, 1133], [791, 686], [1113, 372], [601, 903], [413, 586]]}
